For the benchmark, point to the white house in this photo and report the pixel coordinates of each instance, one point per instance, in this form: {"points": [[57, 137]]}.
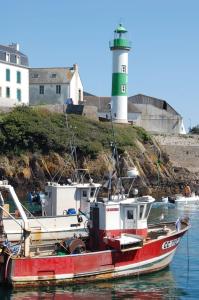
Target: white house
{"points": [[55, 85], [14, 76]]}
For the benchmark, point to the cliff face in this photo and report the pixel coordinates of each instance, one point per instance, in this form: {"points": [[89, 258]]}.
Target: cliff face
{"points": [[35, 146], [183, 150], [158, 176]]}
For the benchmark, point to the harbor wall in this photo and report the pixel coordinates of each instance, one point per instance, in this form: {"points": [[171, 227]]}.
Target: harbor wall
{"points": [[183, 150]]}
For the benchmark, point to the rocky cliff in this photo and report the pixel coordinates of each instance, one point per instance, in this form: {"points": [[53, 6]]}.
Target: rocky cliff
{"points": [[31, 156]]}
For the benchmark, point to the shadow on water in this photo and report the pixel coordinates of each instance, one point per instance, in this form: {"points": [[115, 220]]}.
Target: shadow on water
{"points": [[179, 281]]}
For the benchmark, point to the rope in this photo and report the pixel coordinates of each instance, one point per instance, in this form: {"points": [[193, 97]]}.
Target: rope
{"points": [[6, 268], [44, 227], [187, 257]]}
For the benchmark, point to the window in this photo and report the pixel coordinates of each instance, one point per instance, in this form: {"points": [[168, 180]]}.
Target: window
{"points": [[53, 75], [148, 207], [35, 75], [130, 214], [141, 211], [123, 68], [18, 94], [7, 74], [123, 88], [8, 57], [84, 193], [58, 89], [18, 77], [92, 192], [165, 105], [41, 89], [7, 92]]}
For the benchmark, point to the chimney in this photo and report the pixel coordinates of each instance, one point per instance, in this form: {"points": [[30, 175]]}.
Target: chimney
{"points": [[75, 67], [14, 46]]}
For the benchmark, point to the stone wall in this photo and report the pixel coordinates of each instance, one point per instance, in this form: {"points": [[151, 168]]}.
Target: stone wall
{"points": [[183, 150]]}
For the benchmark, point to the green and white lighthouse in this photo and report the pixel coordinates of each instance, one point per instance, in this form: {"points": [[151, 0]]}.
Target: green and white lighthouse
{"points": [[119, 97]]}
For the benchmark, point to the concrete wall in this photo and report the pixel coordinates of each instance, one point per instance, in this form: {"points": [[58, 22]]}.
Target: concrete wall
{"points": [[88, 111], [85, 110], [183, 150], [58, 108], [50, 96], [157, 115], [155, 119]]}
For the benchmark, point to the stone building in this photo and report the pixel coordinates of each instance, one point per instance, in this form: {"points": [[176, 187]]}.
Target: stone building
{"points": [[55, 85], [154, 115], [14, 76]]}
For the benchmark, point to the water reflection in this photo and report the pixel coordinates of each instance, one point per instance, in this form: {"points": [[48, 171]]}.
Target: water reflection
{"points": [[160, 285]]}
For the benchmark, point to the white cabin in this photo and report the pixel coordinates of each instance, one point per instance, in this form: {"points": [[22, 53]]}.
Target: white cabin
{"points": [[61, 198], [112, 220]]}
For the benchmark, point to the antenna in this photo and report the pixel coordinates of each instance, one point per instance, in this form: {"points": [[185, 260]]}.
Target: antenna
{"points": [[114, 146]]}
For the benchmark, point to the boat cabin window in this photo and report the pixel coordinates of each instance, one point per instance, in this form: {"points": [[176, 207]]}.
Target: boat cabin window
{"points": [[148, 208], [84, 193], [130, 214], [142, 211], [92, 192]]}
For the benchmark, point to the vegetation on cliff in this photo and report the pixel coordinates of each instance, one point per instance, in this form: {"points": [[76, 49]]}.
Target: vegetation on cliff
{"points": [[194, 130], [35, 147], [38, 130]]}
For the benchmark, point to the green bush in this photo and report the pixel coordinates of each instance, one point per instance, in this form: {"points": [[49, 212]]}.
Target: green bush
{"points": [[143, 135], [27, 129], [194, 130], [38, 130]]}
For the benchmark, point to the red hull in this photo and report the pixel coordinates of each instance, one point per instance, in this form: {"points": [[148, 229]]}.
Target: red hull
{"points": [[153, 256]]}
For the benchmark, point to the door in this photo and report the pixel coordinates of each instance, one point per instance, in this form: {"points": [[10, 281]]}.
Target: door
{"points": [[84, 203], [129, 217]]}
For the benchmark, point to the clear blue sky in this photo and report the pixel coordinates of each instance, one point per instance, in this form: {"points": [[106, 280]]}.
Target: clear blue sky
{"points": [[164, 61]]}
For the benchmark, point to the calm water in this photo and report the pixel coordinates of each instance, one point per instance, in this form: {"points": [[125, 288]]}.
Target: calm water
{"points": [[179, 281]]}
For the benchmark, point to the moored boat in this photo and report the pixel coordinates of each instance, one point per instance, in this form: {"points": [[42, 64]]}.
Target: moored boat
{"points": [[120, 244], [182, 200], [62, 211]]}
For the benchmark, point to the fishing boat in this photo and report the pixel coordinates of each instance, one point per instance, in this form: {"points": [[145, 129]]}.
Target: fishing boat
{"points": [[63, 211], [120, 243]]}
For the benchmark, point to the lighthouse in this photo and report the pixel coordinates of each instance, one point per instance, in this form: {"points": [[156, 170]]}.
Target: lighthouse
{"points": [[120, 46]]}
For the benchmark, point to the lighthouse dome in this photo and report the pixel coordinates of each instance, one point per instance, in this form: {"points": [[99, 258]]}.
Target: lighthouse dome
{"points": [[120, 29]]}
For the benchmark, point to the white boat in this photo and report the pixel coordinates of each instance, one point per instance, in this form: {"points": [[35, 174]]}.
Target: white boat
{"points": [[183, 200], [63, 213], [180, 200]]}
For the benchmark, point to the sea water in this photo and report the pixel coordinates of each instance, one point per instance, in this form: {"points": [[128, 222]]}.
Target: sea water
{"points": [[178, 281]]}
